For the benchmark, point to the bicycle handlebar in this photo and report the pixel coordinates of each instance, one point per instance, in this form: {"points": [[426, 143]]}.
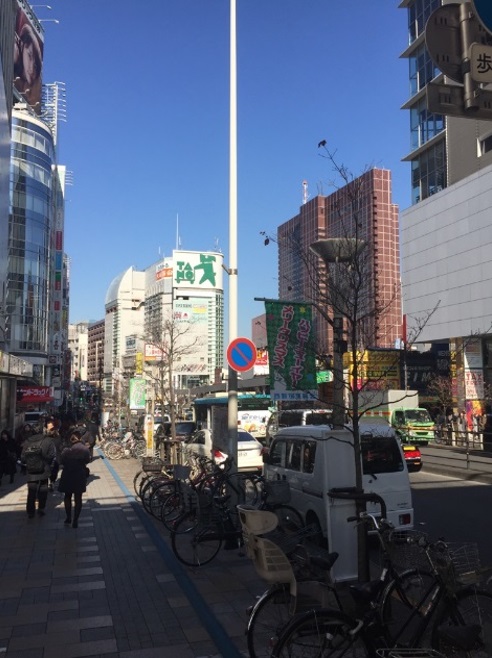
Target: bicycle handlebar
{"points": [[351, 493]]}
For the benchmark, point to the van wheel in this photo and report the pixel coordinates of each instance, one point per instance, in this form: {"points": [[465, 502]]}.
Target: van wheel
{"points": [[316, 537]]}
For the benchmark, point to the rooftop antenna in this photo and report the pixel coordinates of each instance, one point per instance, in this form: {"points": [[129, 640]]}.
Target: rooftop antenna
{"points": [[305, 193], [178, 239]]}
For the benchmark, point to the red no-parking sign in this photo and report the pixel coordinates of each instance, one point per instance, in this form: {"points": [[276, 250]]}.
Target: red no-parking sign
{"points": [[241, 354]]}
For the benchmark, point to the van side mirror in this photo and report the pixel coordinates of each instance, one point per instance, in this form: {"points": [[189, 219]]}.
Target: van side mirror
{"points": [[266, 456]]}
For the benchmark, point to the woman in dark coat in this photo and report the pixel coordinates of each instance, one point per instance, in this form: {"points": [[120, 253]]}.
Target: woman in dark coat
{"points": [[74, 476], [8, 456]]}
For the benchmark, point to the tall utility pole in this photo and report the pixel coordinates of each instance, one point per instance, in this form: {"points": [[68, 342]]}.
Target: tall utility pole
{"points": [[232, 405]]}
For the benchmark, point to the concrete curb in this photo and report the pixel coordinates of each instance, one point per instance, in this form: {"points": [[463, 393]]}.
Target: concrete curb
{"points": [[465, 474]]}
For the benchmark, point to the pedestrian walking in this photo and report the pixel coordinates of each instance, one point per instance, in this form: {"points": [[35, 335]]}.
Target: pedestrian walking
{"points": [[52, 431], [8, 456], [37, 454], [92, 432], [73, 480]]}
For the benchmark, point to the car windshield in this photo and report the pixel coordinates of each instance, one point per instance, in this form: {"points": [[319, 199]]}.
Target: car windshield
{"points": [[380, 454], [418, 416], [185, 427]]}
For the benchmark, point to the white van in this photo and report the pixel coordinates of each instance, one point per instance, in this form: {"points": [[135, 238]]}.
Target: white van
{"points": [[294, 417], [316, 459]]}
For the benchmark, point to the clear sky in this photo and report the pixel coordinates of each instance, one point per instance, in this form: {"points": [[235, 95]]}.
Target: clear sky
{"points": [[147, 132]]}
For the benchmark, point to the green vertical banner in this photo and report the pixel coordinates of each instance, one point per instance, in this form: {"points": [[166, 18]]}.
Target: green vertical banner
{"points": [[291, 352], [137, 393]]}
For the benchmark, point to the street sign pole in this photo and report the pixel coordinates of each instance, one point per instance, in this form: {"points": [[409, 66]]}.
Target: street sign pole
{"points": [[458, 46]]}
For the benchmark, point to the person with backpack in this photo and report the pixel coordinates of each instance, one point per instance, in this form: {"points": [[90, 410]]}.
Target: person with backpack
{"points": [[38, 453], [73, 480]]}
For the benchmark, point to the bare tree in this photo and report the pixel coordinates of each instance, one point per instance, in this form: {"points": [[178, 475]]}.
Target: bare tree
{"points": [[172, 341], [354, 309]]}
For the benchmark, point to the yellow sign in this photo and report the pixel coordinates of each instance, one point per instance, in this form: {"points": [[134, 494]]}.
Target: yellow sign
{"points": [[149, 434]]}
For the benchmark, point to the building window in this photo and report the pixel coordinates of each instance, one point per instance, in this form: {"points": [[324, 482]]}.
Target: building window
{"points": [[485, 145], [429, 173]]}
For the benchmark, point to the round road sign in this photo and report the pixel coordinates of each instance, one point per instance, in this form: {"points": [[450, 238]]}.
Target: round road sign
{"points": [[483, 10], [241, 354]]}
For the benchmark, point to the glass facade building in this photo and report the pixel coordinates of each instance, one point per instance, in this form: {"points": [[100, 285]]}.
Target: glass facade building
{"points": [[427, 130], [33, 178]]}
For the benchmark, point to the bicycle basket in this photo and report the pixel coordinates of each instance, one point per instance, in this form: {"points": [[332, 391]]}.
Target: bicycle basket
{"points": [[277, 492], [458, 564], [404, 549], [408, 653], [152, 464]]}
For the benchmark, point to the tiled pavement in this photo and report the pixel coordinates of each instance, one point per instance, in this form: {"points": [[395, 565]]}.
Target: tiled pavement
{"points": [[112, 587]]}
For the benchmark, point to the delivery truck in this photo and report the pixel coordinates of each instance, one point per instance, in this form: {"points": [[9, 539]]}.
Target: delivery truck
{"points": [[412, 423]]}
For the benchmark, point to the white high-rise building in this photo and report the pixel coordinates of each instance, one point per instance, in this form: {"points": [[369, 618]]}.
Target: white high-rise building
{"points": [[186, 291]]}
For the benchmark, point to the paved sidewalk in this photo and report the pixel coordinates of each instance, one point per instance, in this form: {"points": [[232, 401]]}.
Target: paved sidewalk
{"points": [[112, 587]]}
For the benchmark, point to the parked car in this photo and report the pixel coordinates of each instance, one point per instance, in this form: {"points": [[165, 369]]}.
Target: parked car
{"points": [[249, 449], [413, 457]]}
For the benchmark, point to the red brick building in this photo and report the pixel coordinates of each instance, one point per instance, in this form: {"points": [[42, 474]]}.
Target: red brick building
{"points": [[363, 209]]}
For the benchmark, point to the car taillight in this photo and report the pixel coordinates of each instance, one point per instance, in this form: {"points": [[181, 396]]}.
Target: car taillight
{"points": [[412, 453], [217, 454], [405, 519]]}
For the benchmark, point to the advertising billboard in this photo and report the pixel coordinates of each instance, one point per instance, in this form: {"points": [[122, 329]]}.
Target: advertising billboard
{"points": [[195, 269], [191, 317], [33, 395], [28, 55], [291, 351]]}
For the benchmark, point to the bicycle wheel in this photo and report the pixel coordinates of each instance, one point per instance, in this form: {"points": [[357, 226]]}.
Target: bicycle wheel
{"points": [[138, 479], [402, 602], [472, 609], [317, 633], [150, 486], [289, 519], [140, 449], [269, 615], [114, 450], [176, 505], [159, 496], [195, 543]]}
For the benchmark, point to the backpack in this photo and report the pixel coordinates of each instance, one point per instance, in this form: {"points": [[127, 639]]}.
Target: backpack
{"points": [[33, 457]]}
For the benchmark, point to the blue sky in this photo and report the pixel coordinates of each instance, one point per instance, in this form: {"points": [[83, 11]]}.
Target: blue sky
{"points": [[147, 132]]}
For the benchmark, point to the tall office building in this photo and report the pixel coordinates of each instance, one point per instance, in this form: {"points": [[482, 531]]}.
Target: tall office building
{"points": [[36, 278], [95, 352], [446, 235], [124, 316], [35, 252], [187, 290], [329, 217]]}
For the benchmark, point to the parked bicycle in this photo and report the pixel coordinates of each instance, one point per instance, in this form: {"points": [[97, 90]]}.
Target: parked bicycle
{"points": [[292, 589], [452, 614], [199, 534], [130, 446]]}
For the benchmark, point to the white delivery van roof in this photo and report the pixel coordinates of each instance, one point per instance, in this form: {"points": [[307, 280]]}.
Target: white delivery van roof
{"points": [[375, 426]]}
